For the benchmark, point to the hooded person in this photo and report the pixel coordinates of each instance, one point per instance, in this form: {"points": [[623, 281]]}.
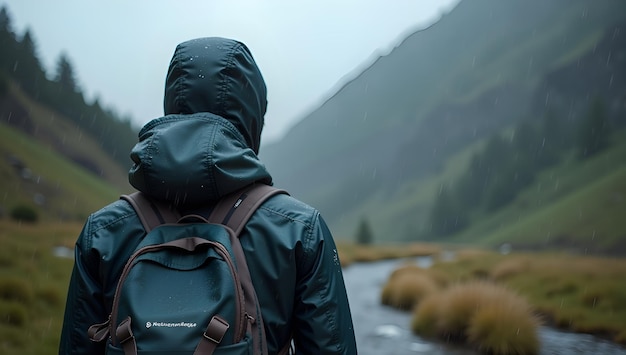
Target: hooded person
{"points": [[203, 148]]}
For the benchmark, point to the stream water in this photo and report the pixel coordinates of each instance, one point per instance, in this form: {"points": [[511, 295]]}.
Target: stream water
{"points": [[383, 330]]}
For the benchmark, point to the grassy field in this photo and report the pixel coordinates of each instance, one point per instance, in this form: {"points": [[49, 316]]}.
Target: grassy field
{"points": [[33, 286], [578, 293]]}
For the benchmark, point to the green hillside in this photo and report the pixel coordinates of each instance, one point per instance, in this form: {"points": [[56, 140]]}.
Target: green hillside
{"points": [[58, 133], [577, 206], [37, 177], [383, 145], [56, 168]]}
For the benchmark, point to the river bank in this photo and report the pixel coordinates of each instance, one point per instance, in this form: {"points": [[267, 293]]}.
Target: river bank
{"points": [[383, 330]]}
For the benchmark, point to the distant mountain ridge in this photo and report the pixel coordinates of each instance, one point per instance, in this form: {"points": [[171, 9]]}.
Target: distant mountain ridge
{"points": [[482, 68]]}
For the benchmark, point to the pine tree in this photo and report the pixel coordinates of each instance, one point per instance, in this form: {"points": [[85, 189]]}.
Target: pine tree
{"points": [[27, 69], [594, 131], [65, 74], [446, 215], [364, 234]]}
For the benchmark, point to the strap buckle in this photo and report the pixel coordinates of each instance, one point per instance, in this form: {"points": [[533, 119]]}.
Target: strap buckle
{"points": [[216, 329]]}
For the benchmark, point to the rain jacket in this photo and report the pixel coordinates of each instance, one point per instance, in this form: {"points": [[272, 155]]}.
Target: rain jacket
{"points": [[205, 147]]}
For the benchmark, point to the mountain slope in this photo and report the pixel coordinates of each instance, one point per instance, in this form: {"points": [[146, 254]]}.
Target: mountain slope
{"points": [[578, 206], [50, 165], [386, 136]]}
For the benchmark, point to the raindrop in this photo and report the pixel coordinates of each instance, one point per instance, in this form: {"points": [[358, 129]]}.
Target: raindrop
{"points": [[200, 76], [615, 33], [556, 184], [530, 65], [608, 59]]}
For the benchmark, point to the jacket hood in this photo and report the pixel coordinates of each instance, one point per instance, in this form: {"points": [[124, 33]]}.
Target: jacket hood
{"points": [[193, 159], [206, 145], [219, 76]]}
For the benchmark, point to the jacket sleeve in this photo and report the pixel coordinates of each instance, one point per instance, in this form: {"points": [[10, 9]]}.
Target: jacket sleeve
{"points": [[323, 322], [84, 305]]}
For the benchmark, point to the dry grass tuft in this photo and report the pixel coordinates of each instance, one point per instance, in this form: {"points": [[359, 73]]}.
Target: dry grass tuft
{"points": [[13, 314], [504, 326], [487, 316], [17, 290], [510, 267], [406, 287], [425, 316]]}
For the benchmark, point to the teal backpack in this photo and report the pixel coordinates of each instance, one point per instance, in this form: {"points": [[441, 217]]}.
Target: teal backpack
{"points": [[186, 289]]}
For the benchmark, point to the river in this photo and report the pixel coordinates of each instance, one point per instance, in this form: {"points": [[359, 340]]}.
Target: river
{"points": [[383, 330]]}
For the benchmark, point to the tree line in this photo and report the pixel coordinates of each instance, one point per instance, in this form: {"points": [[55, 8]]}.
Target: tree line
{"points": [[19, 63], [510, 162]]}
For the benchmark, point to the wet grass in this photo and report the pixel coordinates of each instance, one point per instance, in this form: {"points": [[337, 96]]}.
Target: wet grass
{"points": [[33, 285], [583, 294]]}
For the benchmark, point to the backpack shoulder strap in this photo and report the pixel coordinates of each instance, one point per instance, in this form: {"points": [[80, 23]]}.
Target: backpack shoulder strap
{"points": [[151, 213], [235, 210]]}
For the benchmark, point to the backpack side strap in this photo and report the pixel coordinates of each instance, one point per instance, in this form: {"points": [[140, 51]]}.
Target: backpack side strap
{"points": [[151, 213], [235, 210]]}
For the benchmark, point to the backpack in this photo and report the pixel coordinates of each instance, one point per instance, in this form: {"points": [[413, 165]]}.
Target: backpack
{"points": [[186, 289]]}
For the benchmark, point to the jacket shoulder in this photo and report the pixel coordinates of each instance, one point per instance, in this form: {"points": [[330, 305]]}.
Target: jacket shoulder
{"points": [[116, 212], [290, 208]]}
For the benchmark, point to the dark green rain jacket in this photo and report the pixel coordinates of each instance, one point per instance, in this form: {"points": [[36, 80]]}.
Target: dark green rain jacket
{"points": [[204, 147]]}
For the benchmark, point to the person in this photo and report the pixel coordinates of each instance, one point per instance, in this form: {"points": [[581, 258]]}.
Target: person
{"points": [[204, 147]]}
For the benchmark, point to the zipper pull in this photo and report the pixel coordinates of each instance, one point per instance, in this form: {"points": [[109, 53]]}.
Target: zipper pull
{"points": [[250, 318]]}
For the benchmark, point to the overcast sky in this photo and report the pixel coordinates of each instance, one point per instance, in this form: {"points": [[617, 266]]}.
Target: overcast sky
{"points": [[120, 49]]}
